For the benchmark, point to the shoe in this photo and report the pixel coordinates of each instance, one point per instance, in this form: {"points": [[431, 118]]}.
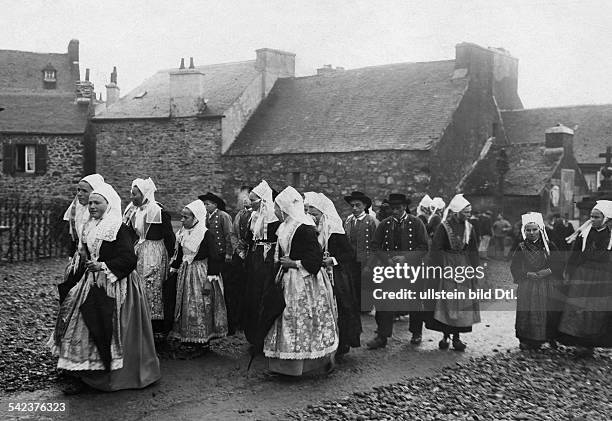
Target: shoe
{"points": [[553, 344], [377, 342], [343, 349], [443, 344], [458, 345], [416, 339], [330, 367], [74, 387]]}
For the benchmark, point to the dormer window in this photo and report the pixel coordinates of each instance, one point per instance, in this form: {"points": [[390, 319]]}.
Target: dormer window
{"points": [[49, 77]]}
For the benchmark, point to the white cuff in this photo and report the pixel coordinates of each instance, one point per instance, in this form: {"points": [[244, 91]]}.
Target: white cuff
{"points": [[334, 261], [110, 276], [301, 269]]}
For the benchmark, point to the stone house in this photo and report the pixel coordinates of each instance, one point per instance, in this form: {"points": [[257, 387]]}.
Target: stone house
{"points": [[543, 176], [44, 131], [591, 124], [178, 123], [414, 128]]}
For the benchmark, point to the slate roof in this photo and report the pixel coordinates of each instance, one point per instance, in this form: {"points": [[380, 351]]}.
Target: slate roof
{"points": [[530, 169], [22, 71], [593, 134], [224, 83], [393, 107], [42, 113]]}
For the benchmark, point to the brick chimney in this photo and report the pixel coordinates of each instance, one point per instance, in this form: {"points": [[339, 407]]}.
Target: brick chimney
{"points": [[492, 68], [112, 90], [73, 58], [85, 90], [186, 91], [274, 64], [328, 69], [560, 136]]}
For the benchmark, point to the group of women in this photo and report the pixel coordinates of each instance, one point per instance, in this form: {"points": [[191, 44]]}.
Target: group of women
{"points": [[131, 277]]}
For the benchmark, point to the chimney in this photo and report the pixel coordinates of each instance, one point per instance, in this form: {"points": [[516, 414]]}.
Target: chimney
{"points": [[112, 90], [493, 69], [328, 69], [84, 90], [560, 136], [273, 64], [187, 91], [73, 59]]}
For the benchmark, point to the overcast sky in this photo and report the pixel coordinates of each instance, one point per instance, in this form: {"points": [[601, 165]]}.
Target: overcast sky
{"points": [[564, 47]]}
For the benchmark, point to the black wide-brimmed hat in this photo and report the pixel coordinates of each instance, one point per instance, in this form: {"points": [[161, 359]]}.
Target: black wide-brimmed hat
{"points": [[213, 198], [357, 195], [398, 199]]}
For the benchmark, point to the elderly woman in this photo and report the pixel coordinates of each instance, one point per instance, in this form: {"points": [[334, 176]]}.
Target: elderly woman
{"points": [[537, 269], [125, 358], [454, 245], [259, 262], [304, 337], [77, 216], [339, 259], [153, 243], [200, 313], [586, 320]]}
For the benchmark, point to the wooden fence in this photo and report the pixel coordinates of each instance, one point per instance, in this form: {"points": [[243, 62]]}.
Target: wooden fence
{"points": [[32, 229]]}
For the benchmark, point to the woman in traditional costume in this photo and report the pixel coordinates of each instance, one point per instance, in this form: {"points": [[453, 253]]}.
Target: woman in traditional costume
{"points": [[77, 216], [586, 320], [538, 270], [200, 313], [259, 262], [304, 337], [437, 209], [454, 245], [103, 334], [154, 245], [342, 268], [423, 211]]}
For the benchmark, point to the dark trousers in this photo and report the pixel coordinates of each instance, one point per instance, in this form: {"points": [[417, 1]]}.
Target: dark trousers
{"points": [[384, 321], [415, 325]]}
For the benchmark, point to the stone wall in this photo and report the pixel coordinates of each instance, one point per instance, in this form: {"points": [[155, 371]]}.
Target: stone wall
{"points": [[64, 167], [334, 174], [181, 155]]}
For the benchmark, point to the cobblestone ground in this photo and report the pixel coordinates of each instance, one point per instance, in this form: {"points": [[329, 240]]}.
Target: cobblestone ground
{"points": [[217, 385]]}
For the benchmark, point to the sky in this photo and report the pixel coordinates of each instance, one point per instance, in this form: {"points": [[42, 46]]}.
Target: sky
{"points": [[564, 47]]}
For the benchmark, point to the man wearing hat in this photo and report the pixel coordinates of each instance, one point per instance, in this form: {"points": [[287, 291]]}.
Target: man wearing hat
{"points": [[221, 227], [400, 232]]}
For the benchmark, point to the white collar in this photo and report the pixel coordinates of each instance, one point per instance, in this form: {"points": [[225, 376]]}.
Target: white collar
{"points": [[360, 217], [404, 216]]}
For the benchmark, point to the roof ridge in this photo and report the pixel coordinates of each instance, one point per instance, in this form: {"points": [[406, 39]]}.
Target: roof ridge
{"points": [[376, 66], [33, 52], [557, 108]]}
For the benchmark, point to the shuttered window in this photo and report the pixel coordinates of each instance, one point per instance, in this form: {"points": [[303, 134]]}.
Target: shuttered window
{"points": [[24, 159]]}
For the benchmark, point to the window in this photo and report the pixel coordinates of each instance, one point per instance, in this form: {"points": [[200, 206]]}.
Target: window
{"points": [[295, 179], [50, 76], [24, 159]]}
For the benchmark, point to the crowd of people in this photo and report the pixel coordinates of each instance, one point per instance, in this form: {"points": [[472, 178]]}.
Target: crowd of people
{"points": [[287, 271]]}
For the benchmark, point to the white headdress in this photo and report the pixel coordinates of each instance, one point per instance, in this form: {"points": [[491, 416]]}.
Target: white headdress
{"points": [[456, 205], [77, 214], [291, 203], [437, 203], [605, 207], [108, 225], [265, 214], [146, 214], [424, 207], [535, 218], [330, 222], [191, 238]]}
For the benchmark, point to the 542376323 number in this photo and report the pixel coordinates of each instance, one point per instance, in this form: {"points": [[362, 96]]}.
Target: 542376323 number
{"points": [[37, 406]]}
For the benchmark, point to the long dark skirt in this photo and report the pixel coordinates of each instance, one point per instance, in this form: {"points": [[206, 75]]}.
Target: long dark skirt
{"points": [[538, 312], [260, 274], [349, 314], [234, 283], [587, 315]]}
